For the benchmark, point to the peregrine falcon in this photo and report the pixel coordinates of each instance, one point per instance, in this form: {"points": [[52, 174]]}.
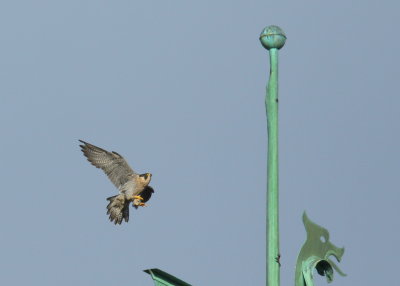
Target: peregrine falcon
{"points": [[132, 186]]}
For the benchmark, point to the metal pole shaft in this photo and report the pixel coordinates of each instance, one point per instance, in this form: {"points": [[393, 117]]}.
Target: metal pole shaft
{"points": [[272, 38], [271, 105]]}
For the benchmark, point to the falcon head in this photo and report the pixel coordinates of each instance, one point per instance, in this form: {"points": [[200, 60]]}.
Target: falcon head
{"points": [[145, 178]]}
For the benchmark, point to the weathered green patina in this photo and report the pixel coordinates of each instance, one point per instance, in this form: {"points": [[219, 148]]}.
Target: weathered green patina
{"points": [[315, 254], [272, 38]]}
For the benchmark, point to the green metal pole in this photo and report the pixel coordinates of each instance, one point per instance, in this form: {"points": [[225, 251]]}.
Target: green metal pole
{"points": [[272, 38], [271, 105]]}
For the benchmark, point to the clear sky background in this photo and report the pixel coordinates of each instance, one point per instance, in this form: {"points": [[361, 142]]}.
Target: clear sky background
{"points": [[177, 88]]}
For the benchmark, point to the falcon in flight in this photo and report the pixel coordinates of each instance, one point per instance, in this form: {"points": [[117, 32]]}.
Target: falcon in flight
{"points": [[132, 186]]}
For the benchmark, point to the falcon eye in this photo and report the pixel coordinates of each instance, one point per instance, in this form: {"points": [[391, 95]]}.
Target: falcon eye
{"points": [[145, 176]]}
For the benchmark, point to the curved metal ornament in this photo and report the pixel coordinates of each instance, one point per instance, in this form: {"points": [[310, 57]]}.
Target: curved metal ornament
{"points": [[315, 253]]}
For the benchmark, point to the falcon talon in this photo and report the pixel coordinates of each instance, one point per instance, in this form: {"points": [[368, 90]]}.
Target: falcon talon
{"points": [[133, 187]]}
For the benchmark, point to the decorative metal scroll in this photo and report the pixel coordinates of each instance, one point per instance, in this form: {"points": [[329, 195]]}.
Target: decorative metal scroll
{"points": [[315, 253]]}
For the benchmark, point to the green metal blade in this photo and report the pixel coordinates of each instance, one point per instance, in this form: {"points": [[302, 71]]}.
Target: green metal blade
{"points": [[162, 278]]}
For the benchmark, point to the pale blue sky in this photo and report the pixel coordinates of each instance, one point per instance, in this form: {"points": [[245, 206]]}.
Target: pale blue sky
{"points": [[177, 87]]}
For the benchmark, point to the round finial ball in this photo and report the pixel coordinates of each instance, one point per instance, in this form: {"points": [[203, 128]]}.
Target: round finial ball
{"points": [[272, 37]]}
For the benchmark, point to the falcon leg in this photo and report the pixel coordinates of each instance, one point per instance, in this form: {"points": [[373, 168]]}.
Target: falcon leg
{"points": [[139, 203]]}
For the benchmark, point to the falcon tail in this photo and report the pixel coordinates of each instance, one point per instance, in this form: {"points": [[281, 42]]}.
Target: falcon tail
{"points": [[118, 209]]}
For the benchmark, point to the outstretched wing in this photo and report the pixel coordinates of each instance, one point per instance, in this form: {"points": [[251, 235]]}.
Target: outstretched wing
{"points": [[113, 164]]}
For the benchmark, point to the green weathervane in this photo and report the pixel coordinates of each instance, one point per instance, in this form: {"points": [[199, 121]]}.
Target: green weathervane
{"points": [[317, 249]]}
